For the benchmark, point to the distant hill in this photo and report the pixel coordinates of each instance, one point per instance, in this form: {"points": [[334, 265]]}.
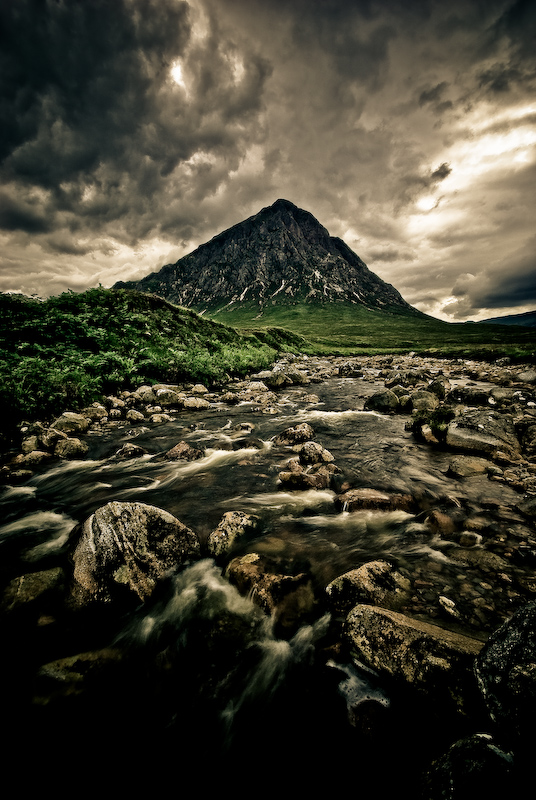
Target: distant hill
{"points": [[527, 320], [281, 256]]}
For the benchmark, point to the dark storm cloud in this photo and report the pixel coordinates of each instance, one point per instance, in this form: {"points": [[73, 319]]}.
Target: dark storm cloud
{"points": [[364, 112]]}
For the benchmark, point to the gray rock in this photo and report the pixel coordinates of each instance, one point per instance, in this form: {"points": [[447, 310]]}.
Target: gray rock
{"points": [[506, 674], [300, 433], [71, 422], [234, 527], [384, 402], [71, 448], [485, 433], [124, 549], [376, 582], [433, 660]]}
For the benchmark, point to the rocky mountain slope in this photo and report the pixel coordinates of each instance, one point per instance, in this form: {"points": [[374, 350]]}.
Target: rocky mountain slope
{"points": [[280, 256]]}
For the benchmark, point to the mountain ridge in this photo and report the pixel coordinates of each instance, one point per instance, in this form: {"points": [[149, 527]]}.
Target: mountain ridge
{"points": [[281, 255]]}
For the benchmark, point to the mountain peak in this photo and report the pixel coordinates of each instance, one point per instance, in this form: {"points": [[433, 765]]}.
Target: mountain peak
{"points": [[280, 256]]}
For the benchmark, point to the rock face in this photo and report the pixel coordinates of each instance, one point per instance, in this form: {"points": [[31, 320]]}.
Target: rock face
{"points": [[124, 549], [279, 256]]}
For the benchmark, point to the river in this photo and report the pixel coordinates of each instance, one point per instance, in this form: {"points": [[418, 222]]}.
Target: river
{"points": [[283, 711]]}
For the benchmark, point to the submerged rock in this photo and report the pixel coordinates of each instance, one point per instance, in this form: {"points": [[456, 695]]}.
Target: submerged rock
{"points": [[124, 549]]}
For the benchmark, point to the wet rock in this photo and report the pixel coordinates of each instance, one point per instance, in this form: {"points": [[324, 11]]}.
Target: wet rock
{"points": [[430, 659], [314, 453], [168, 397], [384, 402], [300, 477], [145, 394], [31, 588], [95, 412], [134, 416], [184, 452], [377, 583], [356, 499], [526, 376], [466, 466], [71, 448], [195, 403], [288, 599], [128, 451], [423, 400], [506, 673], [300, 433], [158, 418], [76, 675], [234, 527], [485, 433], [71, 422], [472, 767], [350, 369], [124, 549]]}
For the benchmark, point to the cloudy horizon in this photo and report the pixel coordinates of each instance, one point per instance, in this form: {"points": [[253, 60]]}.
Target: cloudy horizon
{"points": [[133, 131]]}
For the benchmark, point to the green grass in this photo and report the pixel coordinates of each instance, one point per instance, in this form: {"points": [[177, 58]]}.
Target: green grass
{"points": [[344, 329], [71, 350]]}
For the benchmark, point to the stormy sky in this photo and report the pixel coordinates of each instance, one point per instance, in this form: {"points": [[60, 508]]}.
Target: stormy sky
{"points": [[132, 131]]}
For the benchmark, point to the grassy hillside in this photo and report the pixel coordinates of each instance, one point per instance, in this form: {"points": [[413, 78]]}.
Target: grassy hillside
{"points": [[349, 329], [70, 350]]}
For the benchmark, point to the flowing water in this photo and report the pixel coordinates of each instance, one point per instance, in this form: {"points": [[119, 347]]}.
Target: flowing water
{"points": [[274, 691]]}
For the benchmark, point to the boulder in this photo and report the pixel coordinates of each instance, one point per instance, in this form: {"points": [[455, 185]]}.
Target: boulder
{"points": [[314, 453], [234, 527], [466, 466], [124, 549], [384, 402], [300, 433], [128, 451], [377, 583], [184, 452], [71, 422], [288, 599], [195, 403], [168, 397], [422, 400], [365, 498], [71, 448], [485, 433], [134, 416], [506, 674], [472, 767], [430, 659]]}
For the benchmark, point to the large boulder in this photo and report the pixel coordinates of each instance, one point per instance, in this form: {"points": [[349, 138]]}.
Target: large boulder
{"points": [[124, 549], [430, 659], [384, 402], [485, 433], [506, 673]]}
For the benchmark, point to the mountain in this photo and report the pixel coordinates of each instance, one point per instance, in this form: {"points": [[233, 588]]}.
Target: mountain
{"points": [[526, 320], [280, 256]]}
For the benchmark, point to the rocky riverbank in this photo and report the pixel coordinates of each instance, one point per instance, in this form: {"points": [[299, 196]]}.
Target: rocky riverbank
{"points": [[459, 634]]}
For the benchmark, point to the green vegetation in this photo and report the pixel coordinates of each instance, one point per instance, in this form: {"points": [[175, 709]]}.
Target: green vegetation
{"points": [[71, 350], [344, 329]]}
